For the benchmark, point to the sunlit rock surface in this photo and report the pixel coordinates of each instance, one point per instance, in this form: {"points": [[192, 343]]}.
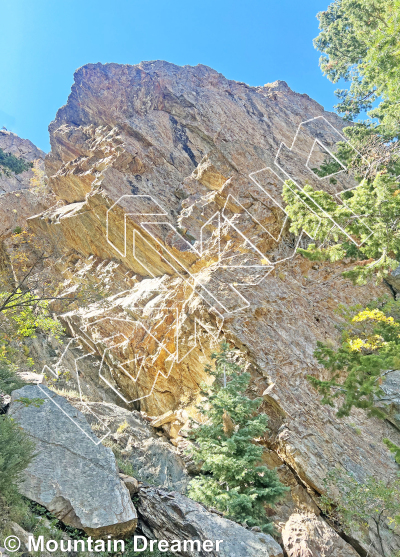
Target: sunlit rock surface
{"points": [[146, 162]]}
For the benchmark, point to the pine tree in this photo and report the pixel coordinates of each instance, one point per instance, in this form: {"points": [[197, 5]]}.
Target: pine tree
{"points": [[16, 452], [359, 41], [233, 480], [359, 44], [370, 214]]}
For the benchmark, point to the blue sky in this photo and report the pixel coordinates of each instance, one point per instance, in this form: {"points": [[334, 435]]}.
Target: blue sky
{"points": [[44, 41]]}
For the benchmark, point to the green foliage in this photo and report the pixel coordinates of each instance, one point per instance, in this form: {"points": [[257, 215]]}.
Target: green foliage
{"points": [[360, 506], [359, 41], [36, 402], [369, 349], [370, 215], [16, 448], [9, 163], [328, 167], [9, 380], [19, 322], [233, 479], [393, 449], [126, 467], [16, 452], [30, 313], [37, 316]]}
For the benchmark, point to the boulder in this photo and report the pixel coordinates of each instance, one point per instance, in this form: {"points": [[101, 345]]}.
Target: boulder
{"points": [[153, 459], [73, 475], [172, 516], [23, 536], [306, 535], [131, 483]]}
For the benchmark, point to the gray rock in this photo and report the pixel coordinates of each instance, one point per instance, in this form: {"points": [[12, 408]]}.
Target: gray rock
{"points": [[60, 356], [4, 402], [23, 537], [73, 476], [154, 459], [131, 483], [17, 200], [391, 387], [20, 148], [172, 516], [307, 535], [394, 279], [159, 464]]}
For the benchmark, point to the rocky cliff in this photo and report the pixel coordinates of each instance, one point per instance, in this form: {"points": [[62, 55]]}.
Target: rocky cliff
{"points": [[168, 188], [17, 201]]}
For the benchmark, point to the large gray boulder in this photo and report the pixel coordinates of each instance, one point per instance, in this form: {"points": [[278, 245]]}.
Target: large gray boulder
{"points": [[172, 516], [73, 475]]}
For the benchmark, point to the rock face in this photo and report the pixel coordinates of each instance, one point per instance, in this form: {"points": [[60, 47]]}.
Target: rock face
{"points": [[391, 387], [153, 459], [17, 201], [171, 179], [20, 148], [172, 516], [73, 476], [306, 535], [394, 279], [4, 402]]}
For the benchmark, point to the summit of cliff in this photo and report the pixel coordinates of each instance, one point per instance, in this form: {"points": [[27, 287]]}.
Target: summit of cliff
{"points": [[168, 184]]}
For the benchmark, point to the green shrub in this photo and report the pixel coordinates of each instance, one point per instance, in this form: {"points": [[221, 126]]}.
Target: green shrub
{"points": [[9, 163], [16, 452], [363, 506], [9, 380]]}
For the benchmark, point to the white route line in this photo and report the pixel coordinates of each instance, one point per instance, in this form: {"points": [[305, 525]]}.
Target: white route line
{"points": [[195, 279], [163, 213], [178, 268], [325, 177]]}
